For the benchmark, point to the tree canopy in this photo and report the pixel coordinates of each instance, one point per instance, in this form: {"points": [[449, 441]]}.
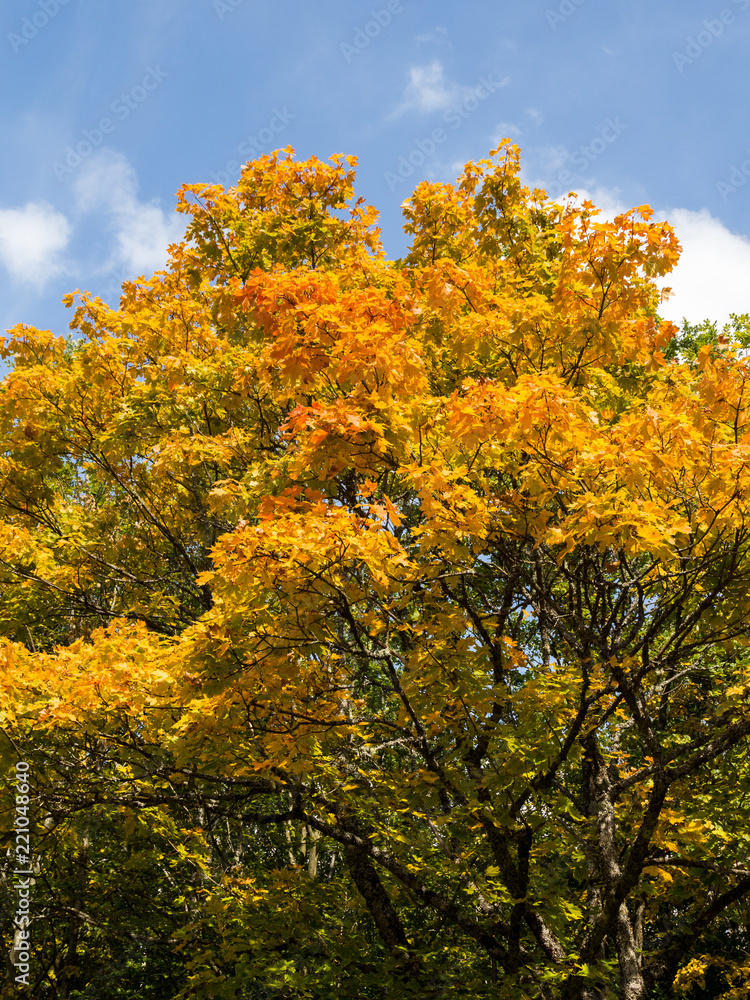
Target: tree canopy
{"points": [[379, 628]]}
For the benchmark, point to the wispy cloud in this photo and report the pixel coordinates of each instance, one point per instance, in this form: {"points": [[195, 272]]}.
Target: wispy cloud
{"points": [[547, 160], [32, 241], [436, 37], [509, 130], [535, 115], [505, 130], [429, 91], [107, 184]]}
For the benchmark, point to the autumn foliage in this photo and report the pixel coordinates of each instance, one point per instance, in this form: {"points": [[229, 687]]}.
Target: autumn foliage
{"points": [[379, 628]]}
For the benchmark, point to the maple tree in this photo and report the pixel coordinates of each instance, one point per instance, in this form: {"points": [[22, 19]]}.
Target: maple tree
{"points": [[378, 628]]}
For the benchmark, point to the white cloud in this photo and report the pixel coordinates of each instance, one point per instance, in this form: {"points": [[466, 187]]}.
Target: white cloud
{"points": [[547, 160], [505, 130], [144, 237], [535, 115], [439, 35], [712, 278], [32, 240], [428, 91], [107, 183], [607, 200]]}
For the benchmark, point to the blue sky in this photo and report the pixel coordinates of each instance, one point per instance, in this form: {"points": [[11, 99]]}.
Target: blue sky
{"points": [[108, 106]]}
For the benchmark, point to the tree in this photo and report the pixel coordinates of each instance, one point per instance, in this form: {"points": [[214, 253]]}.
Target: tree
{"points": [[388, 619]]}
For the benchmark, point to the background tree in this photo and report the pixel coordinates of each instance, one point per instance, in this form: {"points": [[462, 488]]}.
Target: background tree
{"points": [[388, 620]]}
